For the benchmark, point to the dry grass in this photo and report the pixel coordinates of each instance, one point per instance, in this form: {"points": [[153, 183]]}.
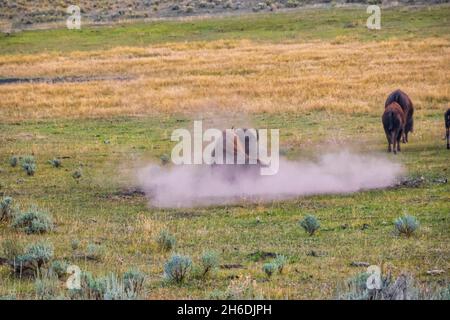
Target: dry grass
{"points": [[229, 75]]}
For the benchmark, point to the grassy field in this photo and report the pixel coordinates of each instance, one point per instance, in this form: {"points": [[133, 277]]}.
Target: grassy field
{"points": [[318, 75]]}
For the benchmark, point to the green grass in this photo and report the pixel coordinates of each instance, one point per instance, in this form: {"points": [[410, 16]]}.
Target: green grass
{"points": [[91, 210], [302, 25]]}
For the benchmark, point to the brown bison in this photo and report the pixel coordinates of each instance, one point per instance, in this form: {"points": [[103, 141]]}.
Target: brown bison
{"points": [[407, 106], [394, 121], [447, 127]]}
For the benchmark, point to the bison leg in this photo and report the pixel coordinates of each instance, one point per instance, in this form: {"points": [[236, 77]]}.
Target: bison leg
{"points": [[400, 134], [394, 141], [388, 138]]}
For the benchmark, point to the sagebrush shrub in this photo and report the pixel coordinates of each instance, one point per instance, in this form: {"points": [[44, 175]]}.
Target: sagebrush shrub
{"points": [[77, 174], [75, 244], [269, 269], [59, 268], [36, 256], [406, 225], [280, 262], [6, 210], [33, 221], [14, 161], [210, 261], [165, 240], [29, 165], [95, 251], [310, 224], [134, 281], [177, 268], [55, 162]]}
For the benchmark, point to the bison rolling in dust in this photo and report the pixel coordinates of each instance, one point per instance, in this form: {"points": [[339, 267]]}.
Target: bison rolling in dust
{"points": [[408, 109], [394, 121]]}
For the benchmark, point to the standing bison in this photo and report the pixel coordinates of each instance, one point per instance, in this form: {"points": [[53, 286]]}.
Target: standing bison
{"points": [[406, 104], [447, 127], [394, 121]]}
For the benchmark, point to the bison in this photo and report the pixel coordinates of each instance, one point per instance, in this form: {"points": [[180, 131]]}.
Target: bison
{"points": [[406, 104], [394, 121], [447, 127]]}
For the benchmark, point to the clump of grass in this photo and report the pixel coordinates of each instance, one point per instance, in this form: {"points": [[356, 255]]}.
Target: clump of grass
{"points": [[33, 221], [269, 269], [406, 225], [47, 287], [115, 289], [11, 249], [280, 261], [95, 251], [75, 244], [310, 224], [177, 268], [166, 241], [210, 261], [134, 281], [239, 289], [91, 288], [59, 268], [6, 210], [77, 174], [56, 163], [29, 165], [14, 161], [110, 287]]}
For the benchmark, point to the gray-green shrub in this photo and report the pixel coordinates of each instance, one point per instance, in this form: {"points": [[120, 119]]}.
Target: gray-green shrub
{"points": [[406, 225], [177, 268], [6, 210], [310, 224], [56, 163], [165, 240], [134, 281], [280, 261], [269, 269], [95, 251], [33, 221], [29, 165], [210, 261], [14, 161]]}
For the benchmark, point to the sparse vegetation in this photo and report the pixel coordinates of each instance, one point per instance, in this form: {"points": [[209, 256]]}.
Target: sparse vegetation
{"points": [[298, 71], [166, 241]]}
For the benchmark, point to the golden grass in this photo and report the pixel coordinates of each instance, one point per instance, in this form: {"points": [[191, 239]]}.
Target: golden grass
{"points": [[228, 75]]}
